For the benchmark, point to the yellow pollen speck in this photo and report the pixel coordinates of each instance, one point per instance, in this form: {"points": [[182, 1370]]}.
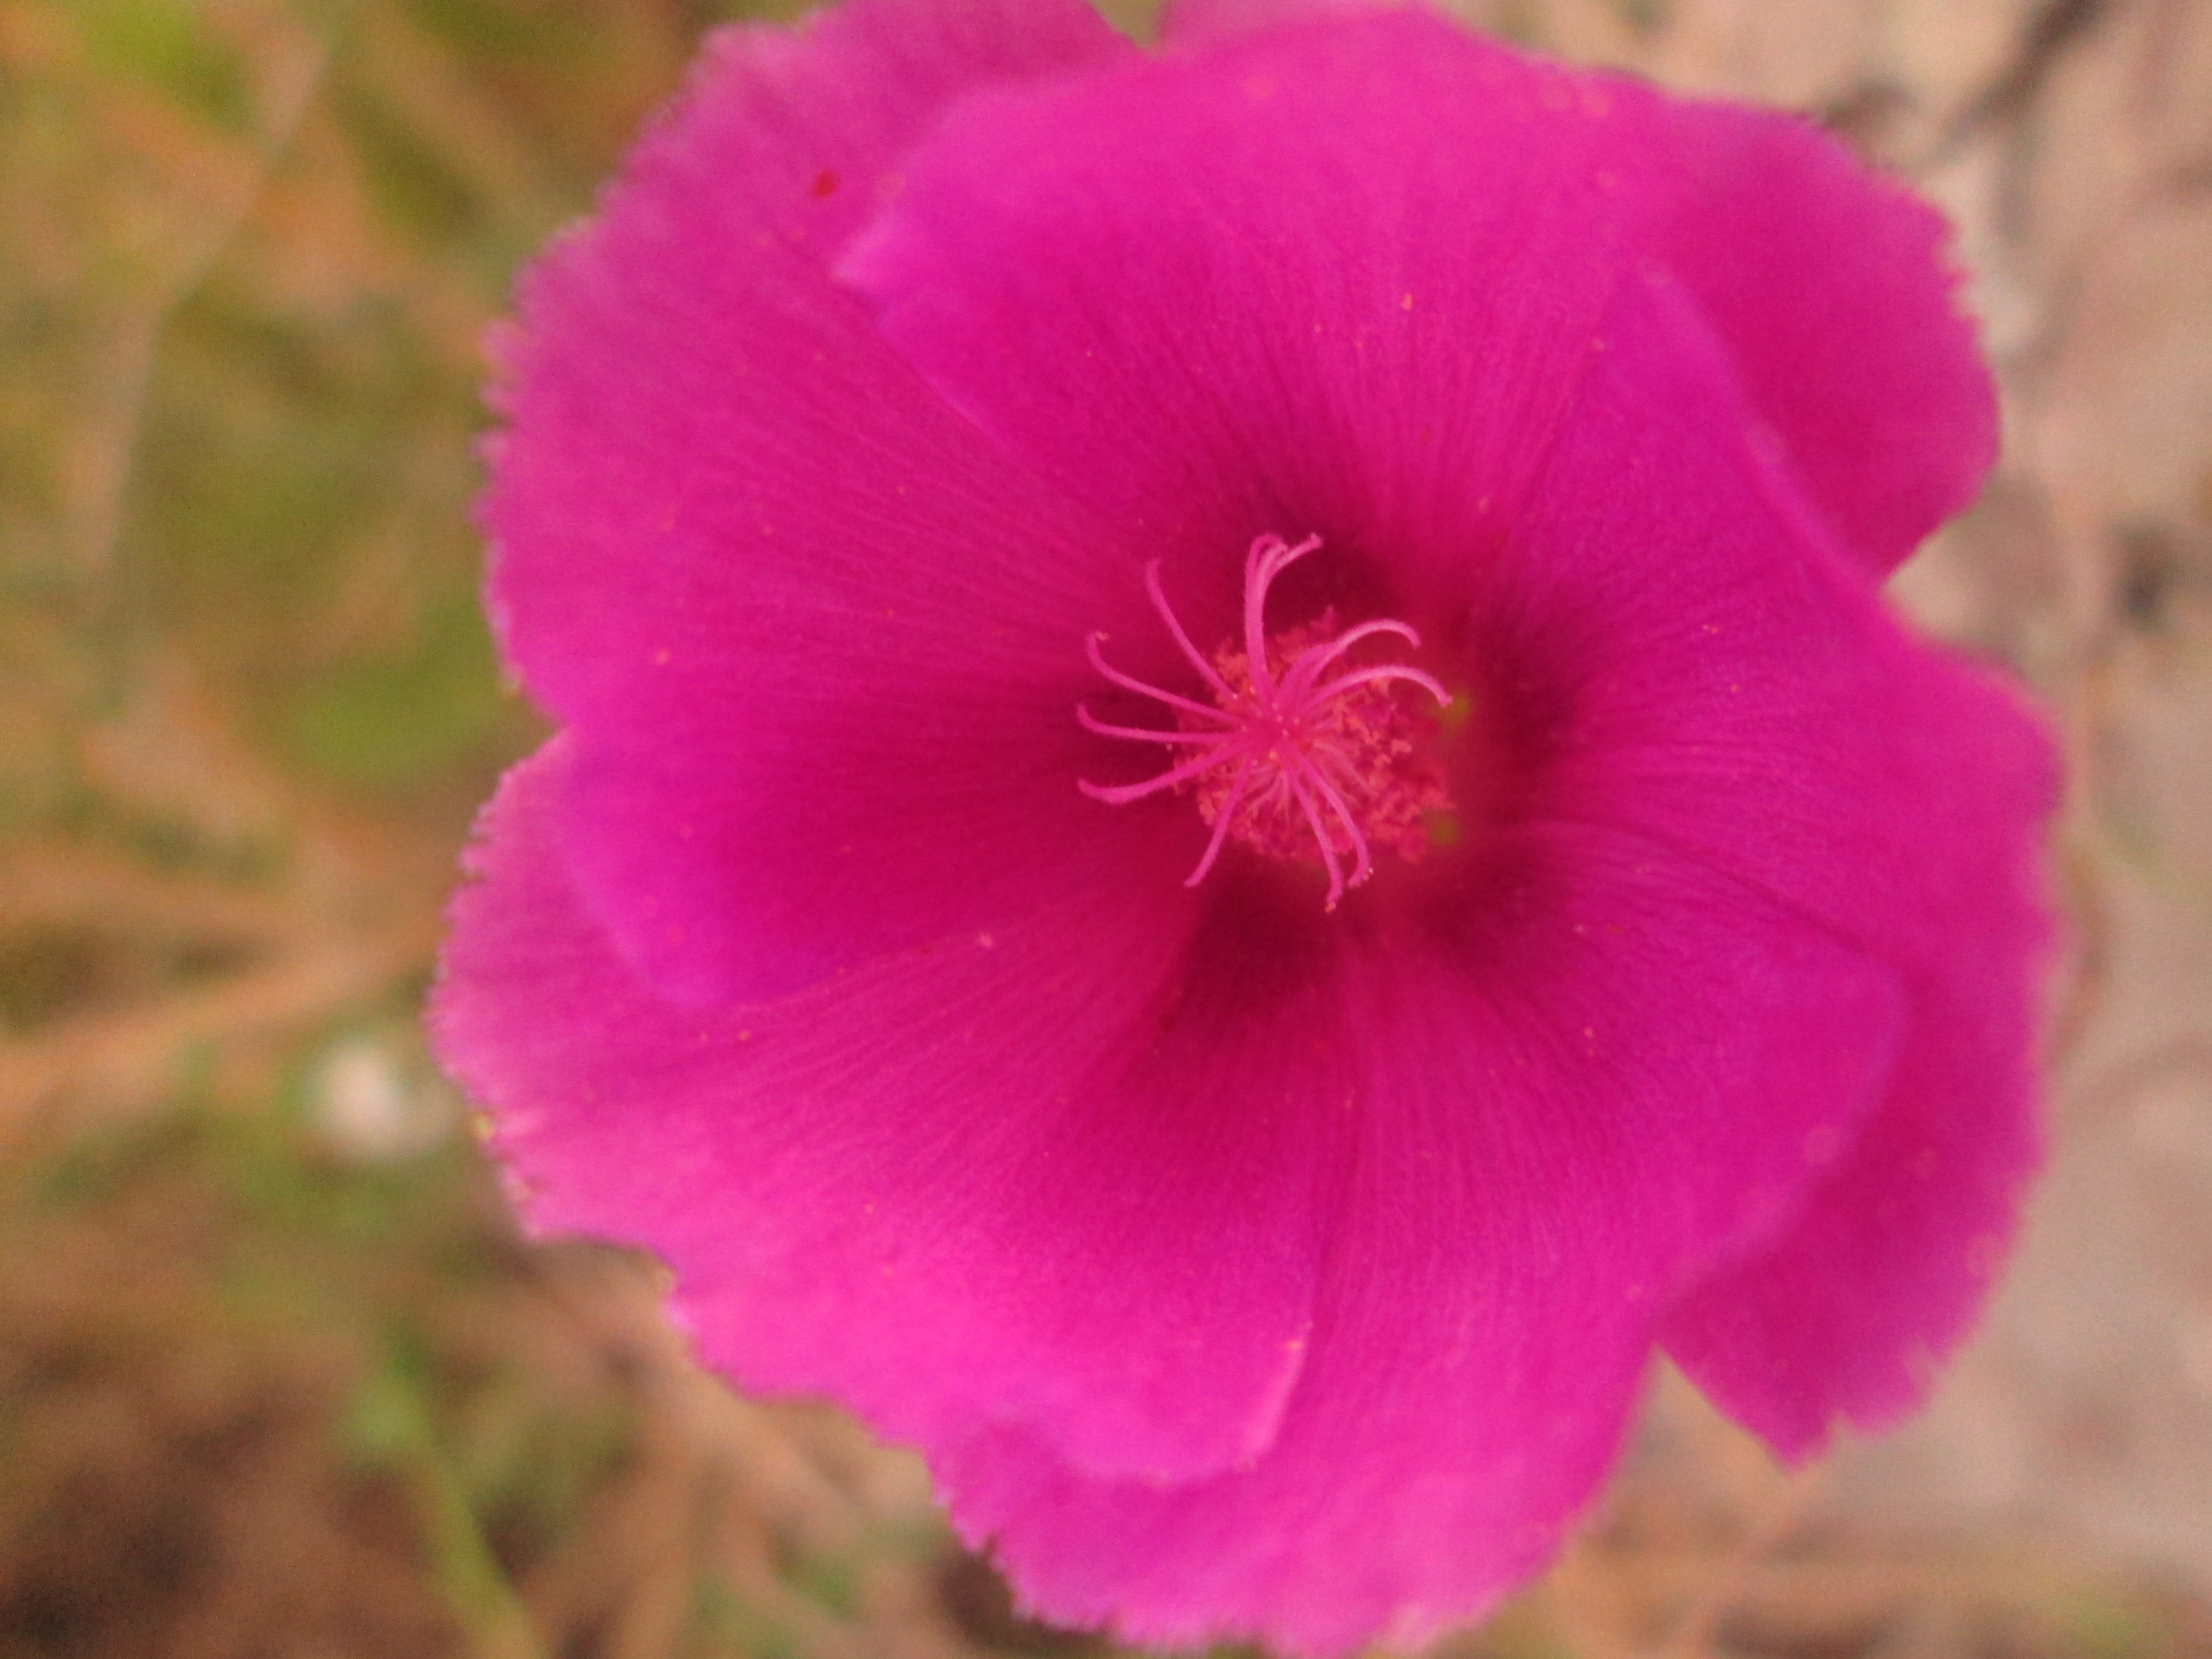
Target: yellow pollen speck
{"points": [[661, 658]]}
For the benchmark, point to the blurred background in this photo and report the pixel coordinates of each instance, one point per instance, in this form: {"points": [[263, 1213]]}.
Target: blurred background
{"points": [[278, 1378]]}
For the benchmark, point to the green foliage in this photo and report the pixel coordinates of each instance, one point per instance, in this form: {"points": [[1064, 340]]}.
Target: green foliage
{"points": [[252, 248], [417, 191], [164, 41]]}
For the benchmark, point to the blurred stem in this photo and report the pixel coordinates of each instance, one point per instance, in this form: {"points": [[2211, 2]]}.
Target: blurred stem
{"points": [[498, 1624], [137, 340]]}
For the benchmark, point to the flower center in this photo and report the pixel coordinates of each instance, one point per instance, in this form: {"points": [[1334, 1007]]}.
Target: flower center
{"points": [[1305, 753]]}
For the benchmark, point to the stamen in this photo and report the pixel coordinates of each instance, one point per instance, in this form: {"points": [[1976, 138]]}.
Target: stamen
{"points": [[1312, 662], [1299, 744], [1121, 679], [1221, 823], [1144, 734], [1167, 615], [1372, 676], [1118, 794]]}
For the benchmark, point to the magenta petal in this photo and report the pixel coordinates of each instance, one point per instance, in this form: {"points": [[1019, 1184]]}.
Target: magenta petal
{"points": [[725, 517], [865, 801], [953, 1150], [1766, 716], [1835, 292], [1552, 1108], [1428, 227], [700, 423], [807, 122], [1786, 732], [1336, 280], [1849, 1313]]}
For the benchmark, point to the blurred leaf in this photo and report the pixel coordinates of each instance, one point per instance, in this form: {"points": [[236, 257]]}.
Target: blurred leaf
{"points": [[168, 43], [419, 192], [388, 719], [493, 29]]}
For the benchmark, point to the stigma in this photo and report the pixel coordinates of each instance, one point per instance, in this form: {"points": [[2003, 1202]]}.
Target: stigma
{"points": [[1307, 753]]}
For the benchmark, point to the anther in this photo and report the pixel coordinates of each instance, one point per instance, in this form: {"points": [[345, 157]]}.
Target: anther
{"points": [[1302, 754]]}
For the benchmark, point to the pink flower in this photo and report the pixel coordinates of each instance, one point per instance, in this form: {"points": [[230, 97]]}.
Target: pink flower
{"points": [[1234, 813]]}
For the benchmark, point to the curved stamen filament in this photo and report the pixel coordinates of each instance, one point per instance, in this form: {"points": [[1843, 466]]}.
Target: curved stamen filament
{"points": [[1297, 736], [1129, 683], [1145, 733], [1269, 557], [1206, 670], [1118, 794], [1328, 792], [1352, 681], [1311, 661], [1328, 848], [1222, 820]]}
